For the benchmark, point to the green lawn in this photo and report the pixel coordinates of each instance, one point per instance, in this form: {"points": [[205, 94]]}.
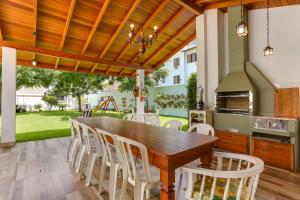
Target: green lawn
{"points": [[51, 124]]}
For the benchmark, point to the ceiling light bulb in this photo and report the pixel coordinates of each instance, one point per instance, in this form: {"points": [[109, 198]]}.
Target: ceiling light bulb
{"points": [[150, 36], [34, 63], [131, 26], [155, 28], [129, 35]]}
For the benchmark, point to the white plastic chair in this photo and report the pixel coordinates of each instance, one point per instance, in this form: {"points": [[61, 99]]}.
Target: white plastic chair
{"points": [[202, 128], [111, 158], [173, 124], [89, 142], [128, 116], [154, 121], [141, 175], [94, 148], [75, 137], [245, 176], [141, 118]]}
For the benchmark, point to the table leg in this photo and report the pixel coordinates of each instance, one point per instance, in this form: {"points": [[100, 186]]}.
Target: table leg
{"points": [[167, 179], [206, 159]]}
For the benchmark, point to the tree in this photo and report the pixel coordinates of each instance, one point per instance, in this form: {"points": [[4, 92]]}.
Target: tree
{"points": [[128, 84], [50, 101], [192, 92], [76, 85], [30, 77]]}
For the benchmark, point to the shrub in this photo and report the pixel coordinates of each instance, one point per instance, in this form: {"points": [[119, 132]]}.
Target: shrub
{"points": [[20, 108], [50, 101], [192, 92], [38, 107], [62, 106]]}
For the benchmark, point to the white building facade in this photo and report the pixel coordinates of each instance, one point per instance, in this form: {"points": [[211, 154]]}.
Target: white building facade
{"points": [[180, 66]]}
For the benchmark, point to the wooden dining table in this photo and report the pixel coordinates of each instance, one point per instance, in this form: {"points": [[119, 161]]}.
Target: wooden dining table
{"points": [[168, 149]]}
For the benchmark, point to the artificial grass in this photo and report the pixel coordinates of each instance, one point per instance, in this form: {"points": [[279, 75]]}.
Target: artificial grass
{"points": [[42, 135], [52, 124]]}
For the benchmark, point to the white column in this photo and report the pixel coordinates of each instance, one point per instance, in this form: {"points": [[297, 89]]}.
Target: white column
{"points": [[140, 103], [8, 103], [210, 48]]}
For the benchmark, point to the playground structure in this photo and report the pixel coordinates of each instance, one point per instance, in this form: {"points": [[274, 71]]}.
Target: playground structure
{"points": [[104, 102]]}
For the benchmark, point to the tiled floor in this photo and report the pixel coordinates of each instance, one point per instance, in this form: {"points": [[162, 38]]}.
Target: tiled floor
{"points": [[38, 170]]}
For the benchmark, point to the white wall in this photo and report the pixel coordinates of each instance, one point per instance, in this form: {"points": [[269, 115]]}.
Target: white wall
{"points": [[183, 70], [210, 47], [93, 99], [283, 68]]}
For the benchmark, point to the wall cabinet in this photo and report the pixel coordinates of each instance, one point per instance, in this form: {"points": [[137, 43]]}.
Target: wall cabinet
{"points": [[287, 102], [274, 153]]}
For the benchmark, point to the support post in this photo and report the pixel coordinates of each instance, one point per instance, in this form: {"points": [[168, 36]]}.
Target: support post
{"points": [[210, 48], [140, 103], [8, 103]]}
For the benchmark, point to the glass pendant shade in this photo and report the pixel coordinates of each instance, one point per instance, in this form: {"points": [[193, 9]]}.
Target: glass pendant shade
{"points": [[268, 51], [241, 29]]}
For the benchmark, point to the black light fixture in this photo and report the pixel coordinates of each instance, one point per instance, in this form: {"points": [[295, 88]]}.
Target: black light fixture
{"points": [[268, 51], [142, 40], [242, 27]]}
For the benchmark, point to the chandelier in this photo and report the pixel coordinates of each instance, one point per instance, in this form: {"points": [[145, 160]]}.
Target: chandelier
{"points": [[242, 28], [268, 51], [141, 40]]}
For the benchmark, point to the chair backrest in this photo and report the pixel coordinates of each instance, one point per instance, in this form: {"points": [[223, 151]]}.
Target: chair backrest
{"points": [[202, 128], [111, 150], [128, 116], [75, 131], [173, 124], [157, 112], [154, 121], [127, 146], [139, 118], [243, 170], [91, 139]]}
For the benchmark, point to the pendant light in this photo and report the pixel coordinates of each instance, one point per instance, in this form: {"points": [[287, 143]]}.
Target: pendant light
{"points": [[242, 28], [268, 51]]}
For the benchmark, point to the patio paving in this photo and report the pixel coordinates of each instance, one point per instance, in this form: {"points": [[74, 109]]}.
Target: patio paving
{"points": [[39, 170]]}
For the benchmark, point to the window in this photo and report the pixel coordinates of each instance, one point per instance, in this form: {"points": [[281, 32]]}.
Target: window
{"points": [[177, 79], [191, 58], [176, 63]]}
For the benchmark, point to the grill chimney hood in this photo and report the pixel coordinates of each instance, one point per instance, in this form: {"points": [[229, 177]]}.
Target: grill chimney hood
{"points": [[237, 79]]}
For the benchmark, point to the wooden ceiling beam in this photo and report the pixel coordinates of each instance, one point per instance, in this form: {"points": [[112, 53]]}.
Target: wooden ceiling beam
{"points": [[63, 38], [120, 27], [146, 24], [109, 69], [95, 26], [171, 40], [164, 28], [190, 6], [174, 51], [76, 65], [94, 67], [34, 33], [122, 72], [229, 3], [1, 34], [94, 29], [66, 68], [71, 56]]}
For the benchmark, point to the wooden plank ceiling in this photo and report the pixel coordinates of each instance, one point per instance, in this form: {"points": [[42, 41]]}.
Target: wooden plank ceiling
{"points": [[92, 36]]}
